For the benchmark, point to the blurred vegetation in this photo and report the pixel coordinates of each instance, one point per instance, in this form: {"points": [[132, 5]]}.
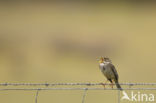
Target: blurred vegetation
{"points": [[60, 41]]}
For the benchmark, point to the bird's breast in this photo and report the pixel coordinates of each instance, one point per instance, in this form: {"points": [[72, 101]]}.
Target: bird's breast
{"points": [[106, 70], [101, 66]]}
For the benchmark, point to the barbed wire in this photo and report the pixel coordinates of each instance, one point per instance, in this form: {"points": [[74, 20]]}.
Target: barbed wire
{"points": [[72, 84], [5, 87], [30, 89]]}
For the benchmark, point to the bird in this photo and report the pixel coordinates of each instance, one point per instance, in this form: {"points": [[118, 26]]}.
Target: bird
{"points": [[109, 71]]}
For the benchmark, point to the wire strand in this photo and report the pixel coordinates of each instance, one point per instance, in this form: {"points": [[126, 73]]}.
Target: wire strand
{"points": [[72, 84], [36, 96], [30, 89], [84, 95]]}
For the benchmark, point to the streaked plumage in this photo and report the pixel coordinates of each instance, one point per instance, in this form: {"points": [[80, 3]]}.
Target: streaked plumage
{"points": [[109, 71]]}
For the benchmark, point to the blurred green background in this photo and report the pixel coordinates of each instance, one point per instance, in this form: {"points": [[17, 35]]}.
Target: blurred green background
{"points": [[57, 42]]}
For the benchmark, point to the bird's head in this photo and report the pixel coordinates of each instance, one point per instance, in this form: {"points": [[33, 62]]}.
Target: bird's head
{"points": [[103, 59], [106, 59]]}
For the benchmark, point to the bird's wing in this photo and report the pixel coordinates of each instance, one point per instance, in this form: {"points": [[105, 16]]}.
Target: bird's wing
{"points": [[114, 71]]}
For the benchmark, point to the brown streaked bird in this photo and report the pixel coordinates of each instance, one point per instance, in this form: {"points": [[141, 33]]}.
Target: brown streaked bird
{"points": [[109, 71]]}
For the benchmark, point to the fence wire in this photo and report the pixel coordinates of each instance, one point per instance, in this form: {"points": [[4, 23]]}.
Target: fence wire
{"points": [[54, 86], [90, 86], [34, 89], [72, 84], [84, 95], [36, 96]]}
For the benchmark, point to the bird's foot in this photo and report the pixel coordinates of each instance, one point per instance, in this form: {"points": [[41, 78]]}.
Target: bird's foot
{"points": [[111, 85], [103, 84]]}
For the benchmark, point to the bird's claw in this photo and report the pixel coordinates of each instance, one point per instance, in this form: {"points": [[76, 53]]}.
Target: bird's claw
{"points": [[103, 84], [111, 85]]}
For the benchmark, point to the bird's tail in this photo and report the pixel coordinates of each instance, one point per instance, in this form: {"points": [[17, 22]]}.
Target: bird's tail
{"points": [[118, 85]]}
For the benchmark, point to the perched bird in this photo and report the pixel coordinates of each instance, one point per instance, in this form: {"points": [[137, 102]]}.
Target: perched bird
{"points": [[109, 71]]}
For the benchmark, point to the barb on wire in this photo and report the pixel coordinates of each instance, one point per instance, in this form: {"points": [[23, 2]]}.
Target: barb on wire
{"points": [[72, 84]]}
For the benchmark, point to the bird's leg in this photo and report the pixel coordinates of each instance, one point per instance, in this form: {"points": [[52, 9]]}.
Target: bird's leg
{"points": [[112, 84], [104, 84]]}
